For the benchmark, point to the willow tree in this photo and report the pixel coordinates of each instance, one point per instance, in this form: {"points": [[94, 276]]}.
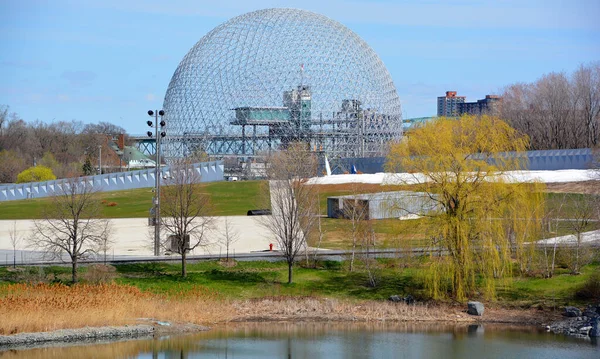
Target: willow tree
{"points": [[484, 218]]}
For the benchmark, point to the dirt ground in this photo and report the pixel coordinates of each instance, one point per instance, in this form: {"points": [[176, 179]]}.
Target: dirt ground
{"points": [[587, 187]]}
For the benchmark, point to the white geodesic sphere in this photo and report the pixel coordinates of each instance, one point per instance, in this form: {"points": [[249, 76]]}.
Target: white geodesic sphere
{"points": [[254, 62]]}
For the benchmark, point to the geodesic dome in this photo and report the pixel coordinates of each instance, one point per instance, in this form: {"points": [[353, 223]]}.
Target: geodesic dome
{"points": [[270, 77]]}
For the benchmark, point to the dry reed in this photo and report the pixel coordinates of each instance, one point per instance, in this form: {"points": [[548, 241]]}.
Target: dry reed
{"points": [[288, 308], [44, 307]]}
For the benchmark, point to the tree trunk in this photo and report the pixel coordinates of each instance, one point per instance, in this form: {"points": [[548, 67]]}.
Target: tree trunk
{"points": [[353, 252], [74, 270], [290, 265], [183, 264], [576, 267], [553, 258]]}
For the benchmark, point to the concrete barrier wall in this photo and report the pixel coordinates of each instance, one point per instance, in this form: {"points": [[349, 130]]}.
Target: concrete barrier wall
{"points": [[209, 172], [546, 160], [383, 205]]}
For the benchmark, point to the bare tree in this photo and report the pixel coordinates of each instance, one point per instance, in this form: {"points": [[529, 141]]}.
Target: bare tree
{"points": [[228, 237], [185, 212], [558, 110], [292, 200], [583, 211], [67, 141], [586, 83], [551, 217], [15, 240], [105, 241], [318, 232], [12, 164], [104, 128], [356, 210], [3, 119], [71, 224], [370, 262]]}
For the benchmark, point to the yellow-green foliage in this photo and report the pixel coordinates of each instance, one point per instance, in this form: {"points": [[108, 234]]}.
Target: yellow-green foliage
{"points": [[36, 174], [484, 218]]}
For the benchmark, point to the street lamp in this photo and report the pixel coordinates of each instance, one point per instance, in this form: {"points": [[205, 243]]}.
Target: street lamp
{"points": [[99, 159], [157, 176]]}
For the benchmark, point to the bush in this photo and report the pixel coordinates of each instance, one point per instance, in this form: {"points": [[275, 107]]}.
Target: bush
{"points": [[100, 273], [36, 174], [591, 288]]}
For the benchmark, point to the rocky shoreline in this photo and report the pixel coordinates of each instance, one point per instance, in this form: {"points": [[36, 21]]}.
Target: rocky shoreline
{"points": [[80, 334], [578, 323], [97, 334]]}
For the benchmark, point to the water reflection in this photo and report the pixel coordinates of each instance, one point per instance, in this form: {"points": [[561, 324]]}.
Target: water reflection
{"points": [[338, 340]]}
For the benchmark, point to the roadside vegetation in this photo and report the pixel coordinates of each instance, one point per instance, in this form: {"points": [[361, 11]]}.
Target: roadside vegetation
{"points": [[477, 243], [40, 299]]}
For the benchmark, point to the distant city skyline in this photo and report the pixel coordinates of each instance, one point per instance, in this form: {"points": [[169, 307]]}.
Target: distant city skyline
{"points": [[112, 60]]}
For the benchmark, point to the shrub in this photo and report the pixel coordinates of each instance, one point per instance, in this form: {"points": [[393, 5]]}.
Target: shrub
{"points": [[590, 289], [36, 174], [33, 275], [100, 273]]}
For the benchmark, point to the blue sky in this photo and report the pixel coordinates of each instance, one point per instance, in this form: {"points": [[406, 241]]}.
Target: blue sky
{"points": [[112, 60]]}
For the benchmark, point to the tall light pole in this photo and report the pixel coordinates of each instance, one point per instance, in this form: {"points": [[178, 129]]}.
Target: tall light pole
{"points": [[157, 171], [99, 159]]}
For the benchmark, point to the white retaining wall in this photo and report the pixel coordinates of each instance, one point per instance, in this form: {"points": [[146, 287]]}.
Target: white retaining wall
{"points": [[209, 172]]}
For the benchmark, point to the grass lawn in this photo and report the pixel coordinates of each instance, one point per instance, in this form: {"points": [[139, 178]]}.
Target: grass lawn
{"points": [[265, 279], [258, 279], [244, 280], [228, 198], [551, 292]]}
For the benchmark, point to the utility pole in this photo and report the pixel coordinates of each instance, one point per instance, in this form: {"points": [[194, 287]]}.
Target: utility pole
{"points": [[99, 159], [157, 173]]}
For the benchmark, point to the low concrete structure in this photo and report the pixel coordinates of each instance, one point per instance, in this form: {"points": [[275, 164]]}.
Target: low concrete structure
{"points": [[381, 205]]}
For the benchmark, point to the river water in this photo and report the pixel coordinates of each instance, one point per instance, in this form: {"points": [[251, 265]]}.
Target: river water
{"points": [[336, 340]]}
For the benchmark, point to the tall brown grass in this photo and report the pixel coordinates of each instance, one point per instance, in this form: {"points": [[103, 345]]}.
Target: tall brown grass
{"points": [[286, 308], [44, 307]]}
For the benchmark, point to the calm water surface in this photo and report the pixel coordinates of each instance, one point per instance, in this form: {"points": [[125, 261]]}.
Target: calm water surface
{"points": [[338, 340]]}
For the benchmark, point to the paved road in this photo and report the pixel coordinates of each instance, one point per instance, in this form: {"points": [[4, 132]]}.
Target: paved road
{"points": [[133, 237], [133, 242], [334, 255]]}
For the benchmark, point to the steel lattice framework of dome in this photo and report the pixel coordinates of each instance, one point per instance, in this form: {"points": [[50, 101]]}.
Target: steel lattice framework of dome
{"points": [[266, 78]]}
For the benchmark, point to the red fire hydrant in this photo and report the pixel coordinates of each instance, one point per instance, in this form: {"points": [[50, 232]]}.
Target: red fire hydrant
{"points": [[270, 246]]}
